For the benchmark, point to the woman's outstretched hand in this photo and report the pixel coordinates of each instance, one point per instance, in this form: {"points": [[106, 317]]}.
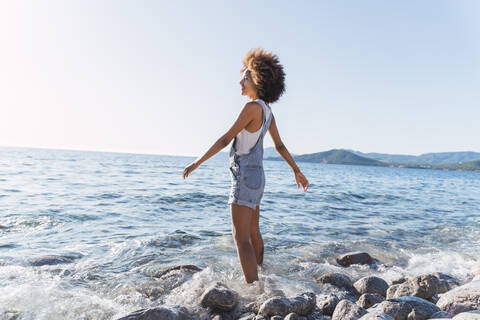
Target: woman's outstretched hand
{"points": [[301, 180], [188, 169]]}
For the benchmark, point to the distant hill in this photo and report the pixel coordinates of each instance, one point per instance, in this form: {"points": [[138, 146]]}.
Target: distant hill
{"points": [[335, 156], [387, 158], [468, 166], [438, 158], [445, 158]]}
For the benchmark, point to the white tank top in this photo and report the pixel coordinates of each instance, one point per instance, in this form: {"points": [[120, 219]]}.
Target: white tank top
{"points": [[245, 139]]}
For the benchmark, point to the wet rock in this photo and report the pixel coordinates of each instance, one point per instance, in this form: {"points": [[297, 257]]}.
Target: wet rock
{"points": [[439, 315], [347, 310], [303, 304], [469, 315], [373, 316], [49, 260], [399, 280], [317, 315], [252, 307], [392, 290], [281, 306], [219, 297], [371, 284], [445, 282], [217, 314], [337, 279], [422, 308], [275, 306], [276, 318], [168, 279], [259, 317], [175, 313], [423, 286], [292, 316], [354, 258], [327, 303], [367, 300], [152, 293], [10, 315], [397, 310], [184, 268], [461, 299], [247, 316], [434, 299]]}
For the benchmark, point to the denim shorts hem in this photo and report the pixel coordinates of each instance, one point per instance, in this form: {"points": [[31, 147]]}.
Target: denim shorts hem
{"points": [[244, 203]]}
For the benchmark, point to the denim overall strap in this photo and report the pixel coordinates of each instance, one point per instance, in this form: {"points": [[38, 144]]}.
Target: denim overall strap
{"points": [[265, 122]]}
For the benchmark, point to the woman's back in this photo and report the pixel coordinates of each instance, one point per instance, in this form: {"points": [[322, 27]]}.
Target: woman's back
{"points": [[246, 139]]}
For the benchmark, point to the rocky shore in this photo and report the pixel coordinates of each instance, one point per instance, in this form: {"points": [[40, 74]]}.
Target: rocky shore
{"points": [[425, 296]]}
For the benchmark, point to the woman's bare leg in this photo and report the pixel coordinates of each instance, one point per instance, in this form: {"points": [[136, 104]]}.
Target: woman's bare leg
{"points": [[241, 219], [255, 236]]}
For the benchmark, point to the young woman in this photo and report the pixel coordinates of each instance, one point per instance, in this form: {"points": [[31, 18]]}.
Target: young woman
{"points": [[263, 81]]}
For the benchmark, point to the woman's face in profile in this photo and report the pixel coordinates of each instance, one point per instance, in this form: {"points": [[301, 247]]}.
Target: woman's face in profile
{"points": [[248, 87]]}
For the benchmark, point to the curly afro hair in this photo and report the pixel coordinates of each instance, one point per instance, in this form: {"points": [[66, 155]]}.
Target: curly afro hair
{"points": [[266, 72]]}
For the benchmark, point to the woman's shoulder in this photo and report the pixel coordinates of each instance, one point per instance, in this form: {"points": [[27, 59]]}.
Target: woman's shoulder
{"points": [[253, 106]]}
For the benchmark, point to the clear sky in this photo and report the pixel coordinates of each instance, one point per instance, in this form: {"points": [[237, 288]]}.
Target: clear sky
{"points": [[163, 77]]}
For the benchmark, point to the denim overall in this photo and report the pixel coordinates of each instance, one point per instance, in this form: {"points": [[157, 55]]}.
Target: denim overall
{"points": [[246, 170]]}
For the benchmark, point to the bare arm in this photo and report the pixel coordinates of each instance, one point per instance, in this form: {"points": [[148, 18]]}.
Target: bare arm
{"points": [[280, 147], [244, 118]]}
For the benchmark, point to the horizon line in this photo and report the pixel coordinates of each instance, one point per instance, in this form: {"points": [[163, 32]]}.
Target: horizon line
{"points": [[196, 156]]}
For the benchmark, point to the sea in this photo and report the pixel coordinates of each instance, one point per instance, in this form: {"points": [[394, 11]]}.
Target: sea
{"points": [[82, 234]]}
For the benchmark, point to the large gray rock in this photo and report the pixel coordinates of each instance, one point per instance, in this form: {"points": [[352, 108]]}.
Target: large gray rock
{"points": [[406, 308], [373, 316], [168, 279], [303, 304], [423, 286], [371, 284], [219, 297], [326, 303], [422, 308], [184, 268], [446, 282], [281, 306], [175, 313], [337, 279], [275, 306], [469, 315], [461, 299], [347, 310], [439, 315], [397, 310], [392, 290], [367, 300], [354, 258]]}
